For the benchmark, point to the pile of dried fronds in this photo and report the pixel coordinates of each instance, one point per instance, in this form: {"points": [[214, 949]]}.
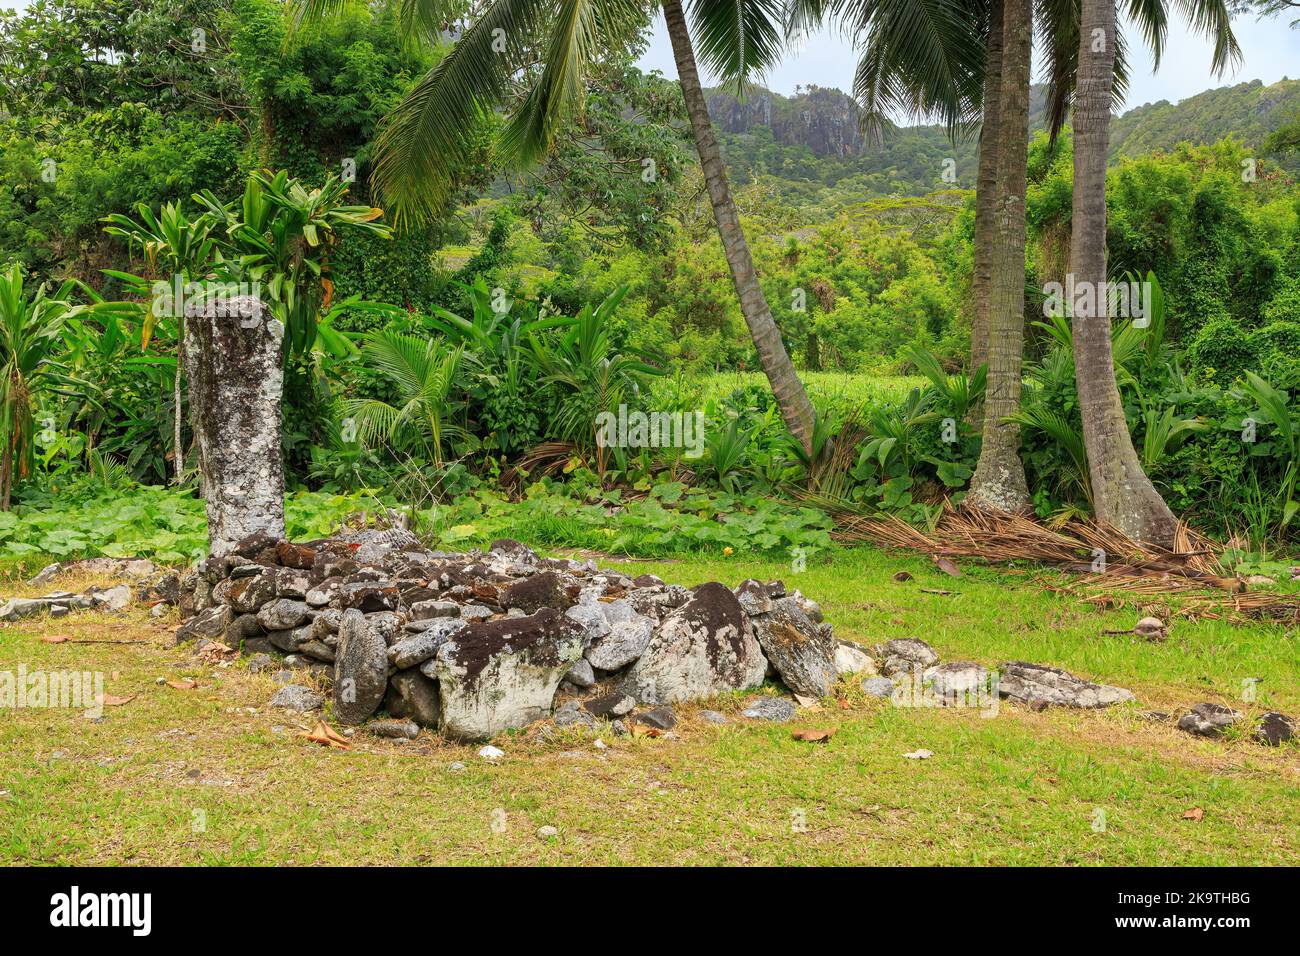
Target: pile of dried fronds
{"points": [[1188, 574], [1074, 545]]}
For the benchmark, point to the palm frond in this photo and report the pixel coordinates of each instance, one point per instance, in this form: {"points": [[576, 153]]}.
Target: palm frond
{"points": [[737, 39], [426, 137]]}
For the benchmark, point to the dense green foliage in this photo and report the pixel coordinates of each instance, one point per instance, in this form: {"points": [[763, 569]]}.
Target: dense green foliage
{"points": [[445, 366]]}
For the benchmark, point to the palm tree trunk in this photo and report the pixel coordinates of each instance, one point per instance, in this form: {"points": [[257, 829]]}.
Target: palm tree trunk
{"points": [[999, 481], [178, 456], [796, 410], [986, 192], [1122, 494], [6, 473]]}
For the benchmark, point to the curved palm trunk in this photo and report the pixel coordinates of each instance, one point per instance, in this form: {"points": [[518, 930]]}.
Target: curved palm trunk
{"points": [[999, 481], [986, 192], [791, 399], [1122, 494]]}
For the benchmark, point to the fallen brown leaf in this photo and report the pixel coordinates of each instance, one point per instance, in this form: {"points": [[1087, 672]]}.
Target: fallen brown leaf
{"points": [[1196, 813], [947, 566], [183, 684], [323, 733], [641, 730], [112, 700], [813, 736]]}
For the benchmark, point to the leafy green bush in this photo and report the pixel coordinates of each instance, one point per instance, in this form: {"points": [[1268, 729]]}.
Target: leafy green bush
{"points": [[1221, 352]]}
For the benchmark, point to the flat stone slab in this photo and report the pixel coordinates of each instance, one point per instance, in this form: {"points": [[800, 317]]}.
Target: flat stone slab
{"points": [[1029, 683]]}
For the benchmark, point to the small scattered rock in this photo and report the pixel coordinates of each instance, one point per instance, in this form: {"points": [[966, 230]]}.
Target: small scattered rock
{"points": [[1151, 629], [851, 659], [1208, 720], [297, 698], [904, 655], [878, 687], [405, 729], [547, 833], [491, 753], [581, 674], [1274, 729], [661, 718], [713, 717], [611, 705], [776, 709], [570, 714]]}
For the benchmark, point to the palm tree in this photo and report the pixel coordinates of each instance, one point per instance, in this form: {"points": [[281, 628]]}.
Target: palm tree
{"points": [[552, 46], [917, 57], [999, 480], [425, 373], [986, 190], [1123, 495]]}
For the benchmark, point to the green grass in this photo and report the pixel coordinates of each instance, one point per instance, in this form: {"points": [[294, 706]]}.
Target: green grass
{"points": [[824, 388], [1017, 788]]}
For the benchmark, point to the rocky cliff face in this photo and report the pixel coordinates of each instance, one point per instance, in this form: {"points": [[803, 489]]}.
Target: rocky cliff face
{"points": [[824, 120]]}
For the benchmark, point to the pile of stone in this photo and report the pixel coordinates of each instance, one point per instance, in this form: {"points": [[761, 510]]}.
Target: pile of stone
{"points": [[61, 603], [1037, 686], [477, 643], [473, 644], [115, 598], [909, 660]]}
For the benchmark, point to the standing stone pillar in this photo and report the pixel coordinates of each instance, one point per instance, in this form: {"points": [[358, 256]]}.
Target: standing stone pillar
{"points": [[233, 361]]}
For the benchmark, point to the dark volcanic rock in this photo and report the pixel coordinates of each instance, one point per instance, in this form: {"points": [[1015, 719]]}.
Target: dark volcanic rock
{"points": [[1208, 720], [514, 550], [801, 650], [1274, 729], [904, 655], [210, 623], [661, 718], [368, 596], [494, 675], [411, 694], [295, 555], [282, 614], [535, 592], [611, 705], [360, 670], [413, 649], [775, 709], [241, 629], [247, 595], [703, 648], [297, 698]]}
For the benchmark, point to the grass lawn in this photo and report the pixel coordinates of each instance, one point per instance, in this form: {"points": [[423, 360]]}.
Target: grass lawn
{"points": [[211, 775], [851, 389]]}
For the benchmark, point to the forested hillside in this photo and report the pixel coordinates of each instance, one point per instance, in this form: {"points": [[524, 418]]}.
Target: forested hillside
{"points": [[812, 147]]}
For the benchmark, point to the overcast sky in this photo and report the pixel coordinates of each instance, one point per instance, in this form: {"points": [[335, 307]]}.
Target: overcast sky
{"points": [[1269, 47]]}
